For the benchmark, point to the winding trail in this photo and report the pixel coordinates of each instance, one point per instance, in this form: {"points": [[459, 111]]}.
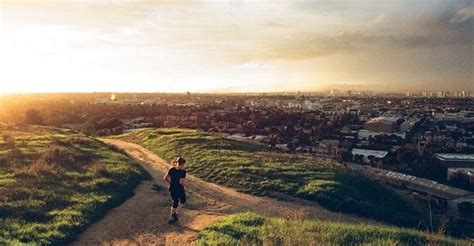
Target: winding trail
{"points": [[142, 220]]}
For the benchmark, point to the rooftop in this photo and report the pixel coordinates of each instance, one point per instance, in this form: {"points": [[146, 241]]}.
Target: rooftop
{"points": [[454, 157], [369, 152], [384, 120]]}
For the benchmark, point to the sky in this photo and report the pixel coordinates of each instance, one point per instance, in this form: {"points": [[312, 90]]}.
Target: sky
{"points": [[235, 46]]}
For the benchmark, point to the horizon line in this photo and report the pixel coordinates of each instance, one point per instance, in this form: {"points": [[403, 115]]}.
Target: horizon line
{"points": [[225, 92]]}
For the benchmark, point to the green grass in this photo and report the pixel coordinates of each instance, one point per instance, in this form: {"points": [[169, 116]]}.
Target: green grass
{"points": [[54, 182], [253, 229], [250, 168]]}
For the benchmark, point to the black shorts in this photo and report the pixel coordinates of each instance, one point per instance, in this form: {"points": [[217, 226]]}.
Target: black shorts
{"points": [[178, 197]]}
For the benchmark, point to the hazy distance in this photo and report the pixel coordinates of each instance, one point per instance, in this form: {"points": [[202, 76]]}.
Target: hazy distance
{"points": [[235, 46]]}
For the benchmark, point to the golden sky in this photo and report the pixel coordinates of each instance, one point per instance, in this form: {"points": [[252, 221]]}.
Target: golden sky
{"points": [[240, 46]]}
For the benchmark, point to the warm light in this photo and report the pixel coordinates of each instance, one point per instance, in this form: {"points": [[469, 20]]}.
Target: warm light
{"points": [[113, 97], [222, 46]]}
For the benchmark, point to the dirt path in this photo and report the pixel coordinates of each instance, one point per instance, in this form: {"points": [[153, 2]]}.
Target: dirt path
{"points": [[142, 220]]}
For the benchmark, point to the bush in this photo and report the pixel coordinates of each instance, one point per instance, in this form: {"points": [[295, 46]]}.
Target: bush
{"points": [[33, 117], [54, 159]]}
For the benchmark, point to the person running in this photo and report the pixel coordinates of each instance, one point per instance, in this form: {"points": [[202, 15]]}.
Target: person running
{"points": [[176, 177]]}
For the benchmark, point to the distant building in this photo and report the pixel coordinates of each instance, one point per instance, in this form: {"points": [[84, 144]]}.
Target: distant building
{"points": [[260, 138], [283, 147], [408, 125], [326, 147], [457, 163], [448, 117], [453, 207], [465, 117], [312, 106], [294, 105], [238, 136], [366, 135], [353, 110], [422, 185], [367, 155], [382, 124]]}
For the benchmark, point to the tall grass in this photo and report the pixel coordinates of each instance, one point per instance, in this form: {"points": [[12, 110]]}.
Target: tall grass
{"points": [[56, 182]]}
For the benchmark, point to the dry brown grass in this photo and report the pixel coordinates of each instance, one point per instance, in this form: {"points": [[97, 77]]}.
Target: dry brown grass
{"points": [[54, 159]]}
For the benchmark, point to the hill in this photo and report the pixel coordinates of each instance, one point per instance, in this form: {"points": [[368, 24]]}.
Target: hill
{"points": [[253, 229], [249, 167], [54, 182]]}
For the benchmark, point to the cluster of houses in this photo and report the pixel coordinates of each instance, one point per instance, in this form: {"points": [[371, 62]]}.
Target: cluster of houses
{"points": [[370, 131], [381, 126]]}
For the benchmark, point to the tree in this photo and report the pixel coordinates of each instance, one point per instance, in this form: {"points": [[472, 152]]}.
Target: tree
{"points": [[33, 117], [90, 127], [346, 154], [358, 158], [372, 160], [461, 180], [108, 124]]}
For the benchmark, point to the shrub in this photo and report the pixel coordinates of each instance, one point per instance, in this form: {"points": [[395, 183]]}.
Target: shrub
{"points": [[54, 159], [33, 117]]}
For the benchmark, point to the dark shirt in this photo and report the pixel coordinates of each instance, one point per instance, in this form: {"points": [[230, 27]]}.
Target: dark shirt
{"points": [[175, 176]]}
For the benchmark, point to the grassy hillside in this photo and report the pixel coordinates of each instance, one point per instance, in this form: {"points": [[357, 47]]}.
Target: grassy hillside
{"points": [[248, 167], [252, 229], [55, 182]]}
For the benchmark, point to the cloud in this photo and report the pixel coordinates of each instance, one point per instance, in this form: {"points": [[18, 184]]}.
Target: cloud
{"points": [[338, 41], [250, 32], [397, 32], [463, 15]]}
